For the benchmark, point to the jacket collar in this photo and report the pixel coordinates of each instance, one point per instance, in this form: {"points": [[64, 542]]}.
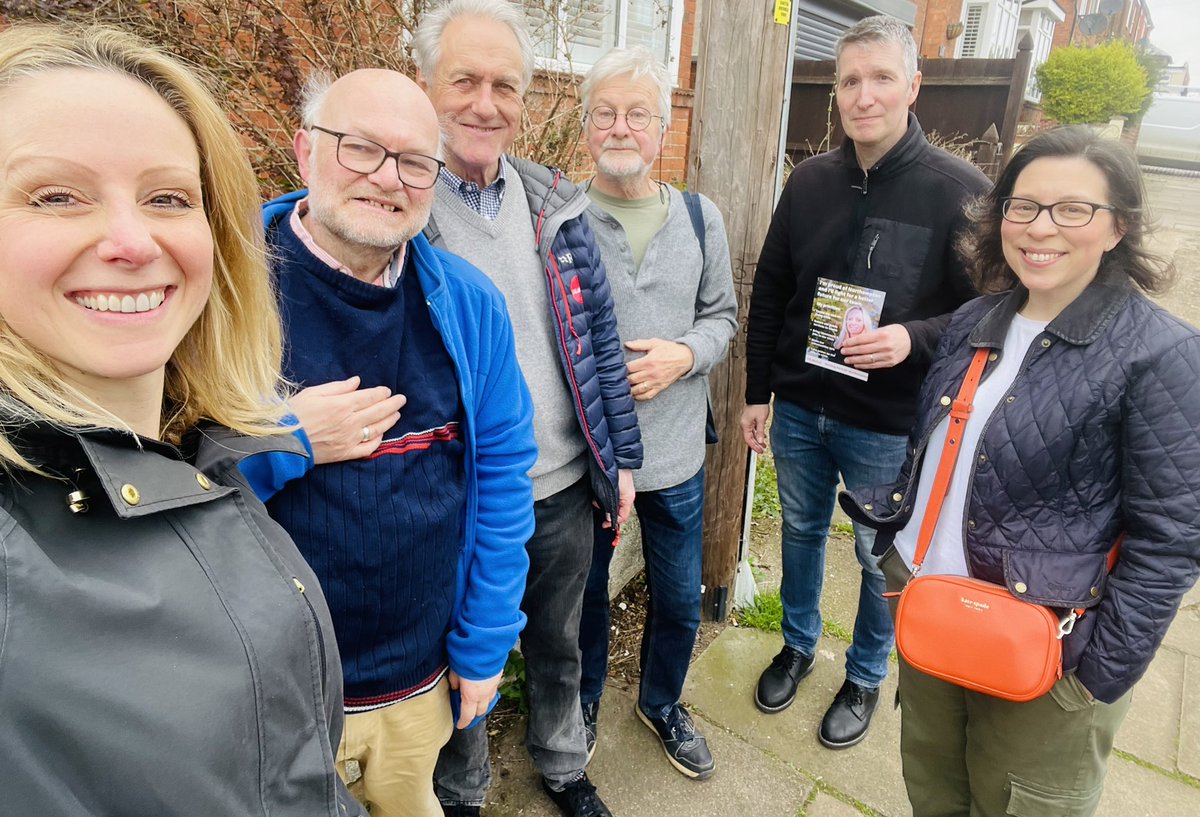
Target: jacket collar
{"points": [[1084, 319], [908, 150], [141, 476]]}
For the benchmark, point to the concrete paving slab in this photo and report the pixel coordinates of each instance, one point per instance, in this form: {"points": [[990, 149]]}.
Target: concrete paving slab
{"points": [[828, 806], [1184, 634], [633, 776], [1131, 790], [1189, 726], [1151, 730], [721, 686]]}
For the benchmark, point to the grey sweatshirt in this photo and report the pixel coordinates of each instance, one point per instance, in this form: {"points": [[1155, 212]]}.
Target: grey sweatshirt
{"points": [[676, 294]]}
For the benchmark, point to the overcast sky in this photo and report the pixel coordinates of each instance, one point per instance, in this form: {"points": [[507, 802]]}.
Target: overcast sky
{"points": [[1177, 31]]}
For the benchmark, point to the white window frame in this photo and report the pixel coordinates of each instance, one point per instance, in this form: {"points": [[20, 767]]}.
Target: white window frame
{"points": [[621, 9], [997, 32]]}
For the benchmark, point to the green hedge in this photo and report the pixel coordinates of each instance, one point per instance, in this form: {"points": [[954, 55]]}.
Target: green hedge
{"points": [[1081, 85]]}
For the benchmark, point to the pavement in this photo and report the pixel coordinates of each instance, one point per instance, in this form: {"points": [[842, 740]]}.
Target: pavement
{"points": [[773, 766]]}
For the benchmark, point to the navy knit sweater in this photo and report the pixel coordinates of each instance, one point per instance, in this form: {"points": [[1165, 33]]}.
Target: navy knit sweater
{"points": [[381, 533]]}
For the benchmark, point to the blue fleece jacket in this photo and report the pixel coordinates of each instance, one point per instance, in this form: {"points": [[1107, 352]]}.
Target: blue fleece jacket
{"points": [[470, 315]]}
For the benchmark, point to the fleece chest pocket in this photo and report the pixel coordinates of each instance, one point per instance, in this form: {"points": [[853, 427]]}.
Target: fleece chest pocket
{"points": [[890, 256]]}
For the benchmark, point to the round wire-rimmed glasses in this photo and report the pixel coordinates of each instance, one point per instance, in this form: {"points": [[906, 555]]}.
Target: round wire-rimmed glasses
{"points": [[636, 119]]}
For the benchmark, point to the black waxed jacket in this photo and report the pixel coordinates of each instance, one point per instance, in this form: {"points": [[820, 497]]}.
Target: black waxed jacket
{"points": [[1098, 434], [166, 650]]}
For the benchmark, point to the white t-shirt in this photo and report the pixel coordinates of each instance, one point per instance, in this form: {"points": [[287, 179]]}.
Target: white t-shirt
{"points": [[946, 555]]}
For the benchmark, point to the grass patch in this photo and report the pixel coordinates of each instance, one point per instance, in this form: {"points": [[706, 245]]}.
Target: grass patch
{"points": [[766, 613], [766, 491], [843, 526], [832, 629], [1181, 777]]}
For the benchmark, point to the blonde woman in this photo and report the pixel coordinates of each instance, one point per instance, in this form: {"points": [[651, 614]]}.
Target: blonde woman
{"points": [[163, 647]]}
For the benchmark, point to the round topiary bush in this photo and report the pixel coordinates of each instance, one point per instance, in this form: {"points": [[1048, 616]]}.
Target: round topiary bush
{"points": [[1082, 85]]}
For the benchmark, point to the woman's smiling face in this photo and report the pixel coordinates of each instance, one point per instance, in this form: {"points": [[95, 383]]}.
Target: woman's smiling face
{"points": [[1057, 263], [106, 256]]}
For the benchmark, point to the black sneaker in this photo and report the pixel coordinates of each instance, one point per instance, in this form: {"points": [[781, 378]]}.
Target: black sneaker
{"points": [[590, 712], [460, 810], [577, 799], [686, 749], [846, 722], [777, 685]]}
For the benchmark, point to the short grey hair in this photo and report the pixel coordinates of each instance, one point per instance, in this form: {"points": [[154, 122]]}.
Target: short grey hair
{"points": [[427, 39], [637, 63], [882, 29], [312, 97]]}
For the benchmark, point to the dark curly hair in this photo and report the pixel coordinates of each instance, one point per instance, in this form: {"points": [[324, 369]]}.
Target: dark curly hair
{"points": [[981, 245]]}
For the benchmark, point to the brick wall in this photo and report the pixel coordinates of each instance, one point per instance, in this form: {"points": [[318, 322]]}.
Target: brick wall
{"points": [[933, 16]]}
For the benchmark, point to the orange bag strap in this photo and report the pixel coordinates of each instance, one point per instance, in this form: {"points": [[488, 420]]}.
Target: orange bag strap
{"points": [[960, 410]]}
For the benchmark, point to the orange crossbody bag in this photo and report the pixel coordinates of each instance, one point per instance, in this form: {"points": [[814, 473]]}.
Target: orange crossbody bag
{"points": [[969, 632]]}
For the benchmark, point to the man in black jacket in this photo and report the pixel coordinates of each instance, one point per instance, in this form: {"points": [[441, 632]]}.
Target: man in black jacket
{"points": [[881, 213]]}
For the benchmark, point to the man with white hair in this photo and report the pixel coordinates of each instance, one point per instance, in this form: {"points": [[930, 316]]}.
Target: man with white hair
{"points": [[417, 535], [668, 264], [523, 225], [882, 213]]}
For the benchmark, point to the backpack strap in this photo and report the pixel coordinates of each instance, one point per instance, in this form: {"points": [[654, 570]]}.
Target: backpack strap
{"points": [[692, 200]]}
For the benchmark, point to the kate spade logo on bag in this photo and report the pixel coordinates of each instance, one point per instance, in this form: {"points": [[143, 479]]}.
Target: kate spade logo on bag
{"points": [[973, 605]]}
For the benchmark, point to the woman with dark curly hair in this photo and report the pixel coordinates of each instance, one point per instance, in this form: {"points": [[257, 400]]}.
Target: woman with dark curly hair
{"points": [[1085, 427]]}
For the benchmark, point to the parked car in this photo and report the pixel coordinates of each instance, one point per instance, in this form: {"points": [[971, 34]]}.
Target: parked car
{"points": [[1170, 133]]}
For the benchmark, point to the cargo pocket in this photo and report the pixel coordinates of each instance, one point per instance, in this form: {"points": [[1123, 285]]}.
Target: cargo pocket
{"points": [[1036, 800]]}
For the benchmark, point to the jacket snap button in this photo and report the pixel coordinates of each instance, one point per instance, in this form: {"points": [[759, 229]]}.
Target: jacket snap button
{"points": [[1045, 343], [983, 457], [896, 497], [203, 480], [1020, 587], [1095, 591], [945, 401], [971, 524], [1009, 399], [993, 357], [868, 507], [130, 494]]}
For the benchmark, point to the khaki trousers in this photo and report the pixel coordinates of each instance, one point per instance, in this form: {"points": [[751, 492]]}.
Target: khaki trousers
{"points": [[387, 755], [967, 754]]}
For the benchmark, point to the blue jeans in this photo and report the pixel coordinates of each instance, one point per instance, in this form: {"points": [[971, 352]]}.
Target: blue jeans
{"points": [[810, 451], [672, 522], [559, 553]]}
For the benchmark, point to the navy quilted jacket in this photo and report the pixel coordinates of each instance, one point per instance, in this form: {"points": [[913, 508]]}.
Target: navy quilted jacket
{"points": [[1100, 433], [584, 325]]}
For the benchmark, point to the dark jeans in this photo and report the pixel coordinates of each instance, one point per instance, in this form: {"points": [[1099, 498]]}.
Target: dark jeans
{"points": [[559, 557], [672, 521], [811, 451]]}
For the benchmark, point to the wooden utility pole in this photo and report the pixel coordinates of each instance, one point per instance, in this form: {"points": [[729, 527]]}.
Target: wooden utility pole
{"points": [[741, 79]]}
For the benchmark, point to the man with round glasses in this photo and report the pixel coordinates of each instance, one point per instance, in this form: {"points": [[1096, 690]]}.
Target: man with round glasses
{"points": [[417, 535], [676, 311]]}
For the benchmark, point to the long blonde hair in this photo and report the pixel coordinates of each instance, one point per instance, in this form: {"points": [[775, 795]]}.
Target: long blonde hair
{"points": [[226, 368]]}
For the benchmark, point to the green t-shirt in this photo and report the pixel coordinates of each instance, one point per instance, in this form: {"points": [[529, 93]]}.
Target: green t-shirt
{"points": [[640, 218]]}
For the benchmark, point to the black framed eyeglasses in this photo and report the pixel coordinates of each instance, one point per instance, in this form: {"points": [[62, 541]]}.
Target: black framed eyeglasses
{"points": [[361, 155], [636, 119], [1063, 213]]}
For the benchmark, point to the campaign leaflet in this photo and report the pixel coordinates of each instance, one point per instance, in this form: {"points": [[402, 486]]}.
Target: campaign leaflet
{"points": [[840, 311]]}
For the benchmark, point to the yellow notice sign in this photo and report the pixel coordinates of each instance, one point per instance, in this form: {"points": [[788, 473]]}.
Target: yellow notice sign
{"points": [[783, 12]]}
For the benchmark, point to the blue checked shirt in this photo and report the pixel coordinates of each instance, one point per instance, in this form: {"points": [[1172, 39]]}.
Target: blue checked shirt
{"points": [[483, 200]]}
